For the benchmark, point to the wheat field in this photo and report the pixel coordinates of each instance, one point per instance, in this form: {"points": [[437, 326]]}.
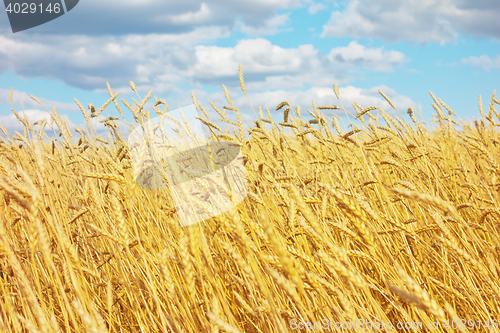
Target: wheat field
{"points": [[392, 227]]}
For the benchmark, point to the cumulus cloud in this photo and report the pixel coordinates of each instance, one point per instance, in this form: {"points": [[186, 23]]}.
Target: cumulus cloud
{"points": [[30, 103], [258, 56], [270, 27], [11, 123], [376, 58], [267, 66], [165, 62], [320, 95], [418, 21], [89, 62], [176, 55], [202, 15], [316, 7], [371, 96], [483, 61], [162, 46], [304, 98], [113, 17], [263, 99]]}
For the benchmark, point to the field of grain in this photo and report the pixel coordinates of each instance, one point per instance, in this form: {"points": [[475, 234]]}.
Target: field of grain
{"points": [[394, 223]]}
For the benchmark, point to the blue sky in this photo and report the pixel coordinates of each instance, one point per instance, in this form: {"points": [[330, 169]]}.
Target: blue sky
{"points": [[289, 50]]}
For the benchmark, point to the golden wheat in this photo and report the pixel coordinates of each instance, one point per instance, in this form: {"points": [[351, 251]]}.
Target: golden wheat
{"points": [[327, 219]]}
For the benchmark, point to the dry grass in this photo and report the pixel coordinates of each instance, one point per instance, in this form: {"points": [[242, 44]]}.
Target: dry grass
{"points": [[385, 223]]}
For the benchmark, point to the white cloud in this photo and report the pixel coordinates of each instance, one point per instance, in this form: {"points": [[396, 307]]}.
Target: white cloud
{"points": [[269, 27], [164, 63], [316, 7], [201, 16], [258, 56], [30, 103], [276, 3], [269, 66], [112, 17], [369, 97], [376, 58], [483, 61], [89, 62], [415, 20], [320, 95], [11, 123]]}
